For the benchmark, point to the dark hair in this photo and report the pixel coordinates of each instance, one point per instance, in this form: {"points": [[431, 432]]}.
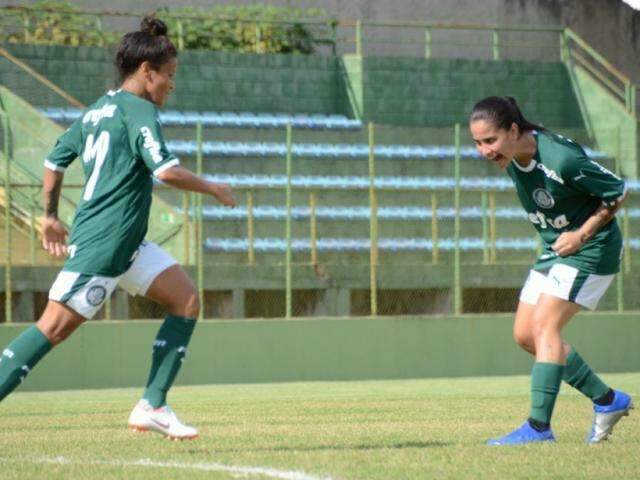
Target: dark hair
{"points": [[150, 43], [502, 112]]}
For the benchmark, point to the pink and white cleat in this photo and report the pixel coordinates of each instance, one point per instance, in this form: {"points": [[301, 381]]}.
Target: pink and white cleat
{"points": [[145, 418]]}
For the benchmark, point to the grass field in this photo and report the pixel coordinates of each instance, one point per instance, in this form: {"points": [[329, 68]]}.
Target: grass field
{"points": [[307, 431]]}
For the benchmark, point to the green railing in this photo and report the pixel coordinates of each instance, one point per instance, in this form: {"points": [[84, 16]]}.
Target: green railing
{"points": [[332, 36], [455, 263], [575, 49]]}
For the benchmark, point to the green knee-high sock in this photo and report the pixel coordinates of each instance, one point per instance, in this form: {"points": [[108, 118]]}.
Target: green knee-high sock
{"points": [[169, 350], [545, 385], [20, 357], [580, 376]]}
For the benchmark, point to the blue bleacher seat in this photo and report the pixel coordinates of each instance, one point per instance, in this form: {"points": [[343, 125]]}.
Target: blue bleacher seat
{"points": [[231, 119], [273, 244], [385, 182]]}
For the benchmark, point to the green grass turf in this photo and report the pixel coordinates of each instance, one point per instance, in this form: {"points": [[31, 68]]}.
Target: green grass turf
{"points": [[362, 430]]}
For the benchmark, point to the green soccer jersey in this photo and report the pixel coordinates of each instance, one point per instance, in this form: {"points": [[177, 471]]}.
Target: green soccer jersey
{"points": [[120, 143], [560, 189]]}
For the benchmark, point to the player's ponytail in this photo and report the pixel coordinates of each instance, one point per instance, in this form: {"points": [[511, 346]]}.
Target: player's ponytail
{"points": [[153, 26], [150, 44], [502, 112]]}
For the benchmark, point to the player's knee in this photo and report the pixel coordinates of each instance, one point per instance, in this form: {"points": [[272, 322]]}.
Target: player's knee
{"points": [[524, 339], [192, 305], [57, 332], [544, 325]]}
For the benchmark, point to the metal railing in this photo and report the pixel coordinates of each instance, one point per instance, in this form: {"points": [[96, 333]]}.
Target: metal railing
{"points": [[332, 36], [575, 49], [193, 226]]}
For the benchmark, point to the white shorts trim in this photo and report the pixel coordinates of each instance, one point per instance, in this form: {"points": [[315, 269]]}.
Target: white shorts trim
{"points": [[166, 166], [150, 262], [567, 283], [52, 166], [86, 299]]}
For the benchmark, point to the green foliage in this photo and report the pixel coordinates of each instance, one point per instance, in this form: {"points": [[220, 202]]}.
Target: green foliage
{"points": [[254, 29], [52, 22]]}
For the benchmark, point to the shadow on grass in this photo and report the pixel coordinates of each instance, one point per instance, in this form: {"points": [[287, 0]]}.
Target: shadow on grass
{"points": [[316, 448]]}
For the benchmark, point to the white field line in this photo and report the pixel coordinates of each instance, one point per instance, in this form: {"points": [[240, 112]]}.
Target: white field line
{"points": [[206, 467]]}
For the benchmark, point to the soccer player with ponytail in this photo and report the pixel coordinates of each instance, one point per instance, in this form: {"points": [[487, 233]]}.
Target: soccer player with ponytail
{"points": [[122, 148], [571, 201]]}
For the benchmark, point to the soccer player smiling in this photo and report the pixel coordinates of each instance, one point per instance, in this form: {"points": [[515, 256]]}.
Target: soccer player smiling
{"points": [[121, 145], [571, 201]]}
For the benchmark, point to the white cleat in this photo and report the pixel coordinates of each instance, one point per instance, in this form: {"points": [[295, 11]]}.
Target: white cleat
{"points": [[605, 417], [145, 418]]}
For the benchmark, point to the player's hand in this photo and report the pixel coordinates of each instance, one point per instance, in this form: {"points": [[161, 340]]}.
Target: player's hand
{"points": [[568, 243], [223, 193], [54, 237]]}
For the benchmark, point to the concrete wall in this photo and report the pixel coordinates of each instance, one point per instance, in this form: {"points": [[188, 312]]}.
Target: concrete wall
{"points": [[611, 26], [118, 354]]}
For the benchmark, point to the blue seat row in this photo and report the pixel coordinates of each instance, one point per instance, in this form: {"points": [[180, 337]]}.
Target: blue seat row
{"points": [[325, 150], [353, 182], [317, 150], [381, 182], [273, 212], [274, 245], [231, 119]]}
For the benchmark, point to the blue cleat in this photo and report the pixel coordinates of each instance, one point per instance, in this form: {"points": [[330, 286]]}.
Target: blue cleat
{"points": [[606, 416], [522, 435]]}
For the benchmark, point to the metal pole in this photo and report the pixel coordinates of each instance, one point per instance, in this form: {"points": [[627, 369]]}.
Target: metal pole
{"points": [[373, 224], [314, 228], [289, 280], [626, 260], [99, 29], [627, 240], [563, 48], [185, 228], [427, 42], [620, 290], [107, 309], [485, 228], [8, 310], [359, 38], [492, 227], [434, 229], [180, 35], [32, 233], [26, 24], [200, 236], [457, 278], [250, 230], [496, 45], [258, 39]]}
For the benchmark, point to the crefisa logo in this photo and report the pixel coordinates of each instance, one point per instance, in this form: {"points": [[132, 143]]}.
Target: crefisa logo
{"points": [[96, 295], [543, 198]]}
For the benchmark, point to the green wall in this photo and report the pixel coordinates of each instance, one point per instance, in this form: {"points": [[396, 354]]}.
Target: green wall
{"points": [[388, 90], [205, 80], [117, 354], [441, 92], [614, 129]]}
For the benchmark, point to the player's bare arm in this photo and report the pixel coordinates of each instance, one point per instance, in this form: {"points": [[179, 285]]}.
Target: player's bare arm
{"points": [[180, 177], [570, 242], [53, 231]]}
